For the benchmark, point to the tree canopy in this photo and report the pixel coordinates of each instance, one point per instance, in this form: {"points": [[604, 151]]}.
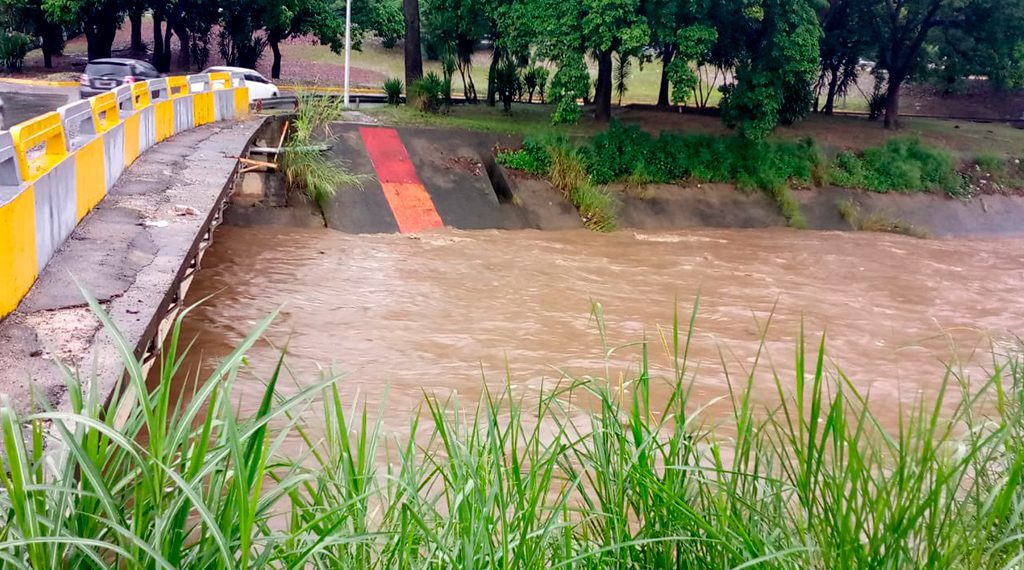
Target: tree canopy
{"points": [[771, 61]]}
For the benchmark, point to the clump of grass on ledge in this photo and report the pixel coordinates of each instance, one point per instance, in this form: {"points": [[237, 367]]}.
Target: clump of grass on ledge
{"points": [[877, 221], [309, 170], [305, 167], [566, 168], [592, 474], [569, 175]]}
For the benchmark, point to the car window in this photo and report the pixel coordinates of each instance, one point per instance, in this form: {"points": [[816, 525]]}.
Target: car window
{"points": [[255, 78], [107, 70], [148, 70]]}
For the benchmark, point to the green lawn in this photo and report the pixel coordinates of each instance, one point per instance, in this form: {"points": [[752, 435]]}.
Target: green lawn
{"points": [[966, 140]]}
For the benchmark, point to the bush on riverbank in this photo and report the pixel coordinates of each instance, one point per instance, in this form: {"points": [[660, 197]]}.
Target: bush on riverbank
{"points": [[900, 165], [590, 474], [626, 153]]}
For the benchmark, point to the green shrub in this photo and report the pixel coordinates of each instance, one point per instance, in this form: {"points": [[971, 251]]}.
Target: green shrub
{"points": [[994, 166], [506, 82], [535, 80], [310, 171], [571, 82], [393, 90], [615, 152], [900, 165], [14, 46], [533, 157], [430, 93]]}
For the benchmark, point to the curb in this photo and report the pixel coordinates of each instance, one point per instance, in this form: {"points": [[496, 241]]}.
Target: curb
{"points": [[38, 82], [331, 89]]}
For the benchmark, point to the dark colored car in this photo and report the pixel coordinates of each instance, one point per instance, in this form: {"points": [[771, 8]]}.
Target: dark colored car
{"points": [[105, 74]]}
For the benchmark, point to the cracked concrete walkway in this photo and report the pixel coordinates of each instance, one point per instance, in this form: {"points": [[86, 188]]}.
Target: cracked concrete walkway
{"points": [[130, 252]]}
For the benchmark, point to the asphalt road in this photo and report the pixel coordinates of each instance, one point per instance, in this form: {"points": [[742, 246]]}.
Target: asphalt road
{"points": [[24, 102]]}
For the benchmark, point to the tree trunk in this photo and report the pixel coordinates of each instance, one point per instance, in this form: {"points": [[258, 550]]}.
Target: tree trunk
{"points": [[135, 17], [168, 34], [100, 31], [492, 70], [158, 40], [184, 51], [666, 58], [97, 46], [53, 38], [830, 99], [413, 49], [892, 102], [603, 90], [275, 68]]}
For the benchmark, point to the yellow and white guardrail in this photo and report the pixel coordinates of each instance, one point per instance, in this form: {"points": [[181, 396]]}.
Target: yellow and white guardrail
{"points": [[56, 167]]}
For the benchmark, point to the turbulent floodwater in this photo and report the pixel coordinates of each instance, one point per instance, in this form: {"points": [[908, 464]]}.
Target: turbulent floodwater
{"points": [[398, 315]]}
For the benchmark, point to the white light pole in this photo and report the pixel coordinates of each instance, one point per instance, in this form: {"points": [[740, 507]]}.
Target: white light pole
{"points": [[348, 43]]}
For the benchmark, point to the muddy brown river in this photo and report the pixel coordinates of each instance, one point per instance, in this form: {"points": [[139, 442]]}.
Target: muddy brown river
{"points": [[398, 315]]}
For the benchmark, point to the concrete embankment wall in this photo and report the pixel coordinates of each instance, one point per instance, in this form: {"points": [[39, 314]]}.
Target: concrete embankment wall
{"points": [[420, 178], [55, 168]]}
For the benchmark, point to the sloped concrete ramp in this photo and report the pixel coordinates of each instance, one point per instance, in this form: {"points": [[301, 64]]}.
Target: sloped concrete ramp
{"points": [[416, 179]]}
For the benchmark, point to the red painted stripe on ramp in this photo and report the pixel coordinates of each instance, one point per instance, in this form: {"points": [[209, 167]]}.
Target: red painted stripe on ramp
{"points": [[410, 203]]}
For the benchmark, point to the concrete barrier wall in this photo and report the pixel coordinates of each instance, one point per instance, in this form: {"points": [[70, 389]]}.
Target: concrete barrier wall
{"points": [[57, 167]]}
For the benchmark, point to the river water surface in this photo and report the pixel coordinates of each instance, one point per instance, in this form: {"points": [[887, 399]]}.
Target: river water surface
{"points": [[400, 315]]}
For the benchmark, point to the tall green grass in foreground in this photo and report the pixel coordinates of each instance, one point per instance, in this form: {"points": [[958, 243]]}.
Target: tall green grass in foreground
{"points": [[589, 475]]}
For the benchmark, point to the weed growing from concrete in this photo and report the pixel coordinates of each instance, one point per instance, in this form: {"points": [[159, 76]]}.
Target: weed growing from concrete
{"points": [[305, 166], [568, 174], [877, 221]]}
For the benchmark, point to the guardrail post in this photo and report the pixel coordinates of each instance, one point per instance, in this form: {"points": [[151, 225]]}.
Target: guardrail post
{"points": [[42, 151], [202, 98], [241, 92], [184, 106], [163, 108], [18, 269], [86, 147], [142, 101], [109, 126]]}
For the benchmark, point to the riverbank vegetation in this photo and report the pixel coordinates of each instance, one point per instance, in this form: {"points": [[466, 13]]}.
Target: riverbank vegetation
{"points": [[592, 473], [851, 212], [628, 154], [305, 166]]}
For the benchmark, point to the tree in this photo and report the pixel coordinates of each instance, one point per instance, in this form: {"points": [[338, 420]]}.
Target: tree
{"points": [[693, 44], [918, 38], [300, 17], [413, 49], [135, 8], [565, 31], [666, 19], [383, 17], [776, 66], [28, 17], [845, 39], [99, 19], [987, 41], [458, 26], [901, 28], [190, 20]]}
